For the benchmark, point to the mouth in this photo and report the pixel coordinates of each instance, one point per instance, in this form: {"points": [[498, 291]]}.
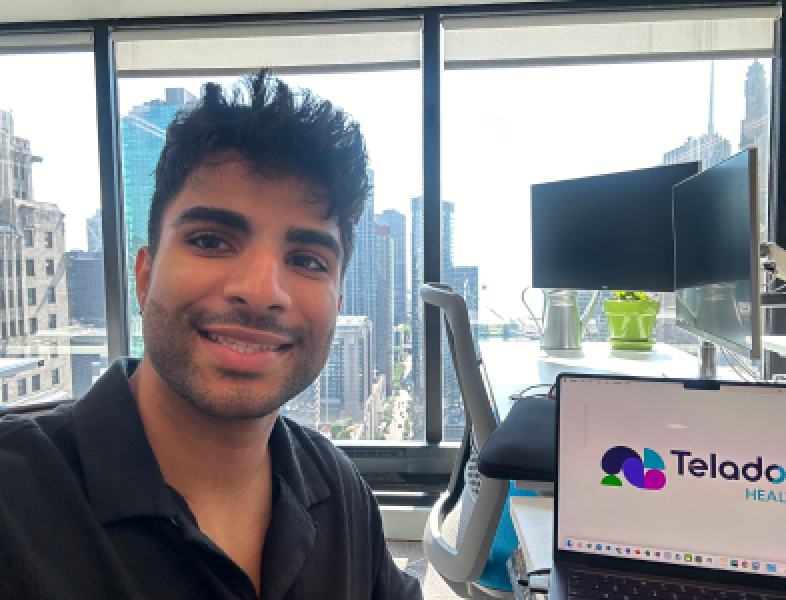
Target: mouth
{"points": [[243, 346]]}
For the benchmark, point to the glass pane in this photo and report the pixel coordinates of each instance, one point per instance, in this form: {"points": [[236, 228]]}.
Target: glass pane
{"points": [[567, 122], [366, 390], [49, 178]]}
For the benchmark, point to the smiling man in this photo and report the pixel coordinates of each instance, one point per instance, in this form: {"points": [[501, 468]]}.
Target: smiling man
{"points": [[175, 477]]}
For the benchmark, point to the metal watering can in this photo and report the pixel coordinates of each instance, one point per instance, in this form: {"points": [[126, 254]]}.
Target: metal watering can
{"points": [[562, 328]]}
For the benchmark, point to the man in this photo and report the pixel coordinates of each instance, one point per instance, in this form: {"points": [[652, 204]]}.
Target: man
{"points": [[174, 477]]}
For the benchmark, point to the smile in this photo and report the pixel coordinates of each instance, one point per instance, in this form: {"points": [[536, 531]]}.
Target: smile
{"points": [[241, 346]]}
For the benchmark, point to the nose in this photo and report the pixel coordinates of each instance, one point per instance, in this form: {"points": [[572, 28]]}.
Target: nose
{"points": [[260, 282]]}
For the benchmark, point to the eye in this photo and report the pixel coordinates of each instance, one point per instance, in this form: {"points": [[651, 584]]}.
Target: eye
{"points": [[209, 241], [306, 261]]}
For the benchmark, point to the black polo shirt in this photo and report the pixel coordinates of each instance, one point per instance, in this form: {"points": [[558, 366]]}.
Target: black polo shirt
{"points": [[86, 513]]}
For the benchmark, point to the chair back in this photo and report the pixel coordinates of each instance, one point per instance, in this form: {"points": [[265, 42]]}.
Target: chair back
{"points": [[465, 559]]}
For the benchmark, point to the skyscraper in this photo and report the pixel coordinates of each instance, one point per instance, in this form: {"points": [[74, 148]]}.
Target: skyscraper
{"points": [[397, 223], [85, 271], [33, 281], [95, 241], [383, 318], [418, 382], [345, 382], [755, 131], [710, 148], [143, 134]]}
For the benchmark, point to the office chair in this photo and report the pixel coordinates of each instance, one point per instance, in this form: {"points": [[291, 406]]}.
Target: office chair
{"points": [[464, 539]]}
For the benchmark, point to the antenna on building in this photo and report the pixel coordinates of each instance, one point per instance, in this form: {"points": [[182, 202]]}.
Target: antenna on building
{"points": [[711, 128]]}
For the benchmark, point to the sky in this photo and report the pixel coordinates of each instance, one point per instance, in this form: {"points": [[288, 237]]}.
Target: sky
{"points": [[502, 131]]}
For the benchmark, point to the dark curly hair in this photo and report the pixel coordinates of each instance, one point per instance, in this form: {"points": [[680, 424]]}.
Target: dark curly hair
{"points": [[277, 132]]}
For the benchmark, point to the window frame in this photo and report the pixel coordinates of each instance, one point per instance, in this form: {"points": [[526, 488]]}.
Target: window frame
{"points": [[421, 466]]}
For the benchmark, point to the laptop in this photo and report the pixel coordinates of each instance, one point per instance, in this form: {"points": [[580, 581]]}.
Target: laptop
{"points": [[669, 489]]}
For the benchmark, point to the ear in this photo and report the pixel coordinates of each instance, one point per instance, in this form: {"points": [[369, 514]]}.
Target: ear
{"points": [[142, 272]]}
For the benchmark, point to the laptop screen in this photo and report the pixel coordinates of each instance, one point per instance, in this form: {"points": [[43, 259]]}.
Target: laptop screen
{"points": [[652, 471]]}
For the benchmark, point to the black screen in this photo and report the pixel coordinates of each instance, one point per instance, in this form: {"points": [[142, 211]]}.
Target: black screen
{"points": [[712, 224], [607, 231], [716, 251]]}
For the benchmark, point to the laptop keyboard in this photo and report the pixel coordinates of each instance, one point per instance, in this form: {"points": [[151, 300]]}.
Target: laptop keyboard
{"points": [[592, 586]]}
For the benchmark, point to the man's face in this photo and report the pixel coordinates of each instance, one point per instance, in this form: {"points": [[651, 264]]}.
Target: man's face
{"points": [[240, 301]]}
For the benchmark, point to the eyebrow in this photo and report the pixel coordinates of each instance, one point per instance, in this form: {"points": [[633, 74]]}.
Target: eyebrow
{"points": [[220, 216], [314, 236]]}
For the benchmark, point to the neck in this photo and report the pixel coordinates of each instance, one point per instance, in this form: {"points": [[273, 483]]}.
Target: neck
{"points": [[204, 458]]}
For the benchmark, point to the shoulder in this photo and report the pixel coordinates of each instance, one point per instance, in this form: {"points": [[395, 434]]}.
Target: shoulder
{"points": [[39, 446], [333, 464]]}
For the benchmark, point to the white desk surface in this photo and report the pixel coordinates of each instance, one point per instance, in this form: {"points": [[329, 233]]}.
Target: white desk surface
{"points": [[512, 365]]}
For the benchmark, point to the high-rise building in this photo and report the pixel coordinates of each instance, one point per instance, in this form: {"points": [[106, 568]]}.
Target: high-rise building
{"points": [[755, 132], [418, 380], [345, 382], [360, 278], [33, 281], [710, 148], [144, 134], [85, 271], [383, 318], [95, 241], [397, 223]]}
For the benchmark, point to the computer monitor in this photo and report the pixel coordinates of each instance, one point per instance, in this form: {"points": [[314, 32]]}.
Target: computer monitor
{"points": [[716, 251], [607, 231]]}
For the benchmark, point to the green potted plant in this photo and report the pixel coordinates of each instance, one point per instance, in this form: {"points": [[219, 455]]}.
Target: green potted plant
{"points": [[631, 318]]}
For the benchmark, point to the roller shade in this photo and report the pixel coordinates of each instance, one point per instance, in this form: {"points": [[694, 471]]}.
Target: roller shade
{"points": [[44, 42], [286, 47], [594, 37]]}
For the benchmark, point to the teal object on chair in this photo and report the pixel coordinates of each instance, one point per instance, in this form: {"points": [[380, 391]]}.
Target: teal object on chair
{"points": [[495, 575]]}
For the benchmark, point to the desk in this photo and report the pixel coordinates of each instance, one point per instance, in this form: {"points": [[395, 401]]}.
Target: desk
{"points": [[512, 365]]}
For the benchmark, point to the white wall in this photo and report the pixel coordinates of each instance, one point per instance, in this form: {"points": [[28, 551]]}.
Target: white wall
{"points": [[12, 11]]}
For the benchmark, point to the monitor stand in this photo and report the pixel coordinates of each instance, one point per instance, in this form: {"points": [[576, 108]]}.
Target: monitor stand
{"points": [[708, 361]]}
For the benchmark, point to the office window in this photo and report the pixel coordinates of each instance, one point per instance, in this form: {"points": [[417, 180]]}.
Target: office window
{"points": [[374, 74], [12, 325], [50, 295], [52, 321], [2, 298], [55, 376], [5, 393], [4, 330], [591, 97], [21, 387], [36, 383], [53, 353], [52, 125], [21, 326]]}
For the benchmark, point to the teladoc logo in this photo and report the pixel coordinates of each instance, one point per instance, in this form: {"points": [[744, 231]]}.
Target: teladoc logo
{"points": [[644, 473], [647, 472]]}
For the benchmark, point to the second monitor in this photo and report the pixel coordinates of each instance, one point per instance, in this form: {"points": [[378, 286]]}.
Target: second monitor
{"points": [[607, 231]]}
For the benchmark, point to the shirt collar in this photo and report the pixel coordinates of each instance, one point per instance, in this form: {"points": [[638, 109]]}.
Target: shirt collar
{"points": [[121, 473]]}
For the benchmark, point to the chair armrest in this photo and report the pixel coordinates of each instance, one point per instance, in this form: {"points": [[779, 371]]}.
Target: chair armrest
{"points": [[523, 446]]}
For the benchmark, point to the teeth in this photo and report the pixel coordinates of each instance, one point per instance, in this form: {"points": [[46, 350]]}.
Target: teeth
{"points": [[240, 346]]}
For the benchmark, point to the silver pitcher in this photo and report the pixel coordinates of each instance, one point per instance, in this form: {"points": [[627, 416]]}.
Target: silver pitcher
{"points": [[562, 328]]}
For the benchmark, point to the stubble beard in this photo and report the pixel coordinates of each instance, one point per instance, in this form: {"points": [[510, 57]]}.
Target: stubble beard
{"points": [[170, 347]]}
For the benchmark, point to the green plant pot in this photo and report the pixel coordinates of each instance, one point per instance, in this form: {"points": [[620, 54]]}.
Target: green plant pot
{"points": [[630, 320]]}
